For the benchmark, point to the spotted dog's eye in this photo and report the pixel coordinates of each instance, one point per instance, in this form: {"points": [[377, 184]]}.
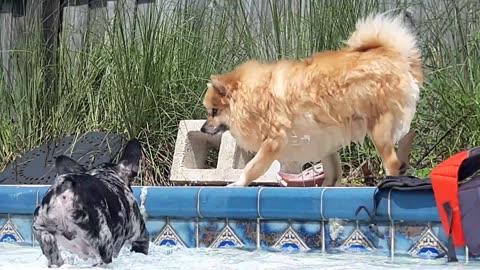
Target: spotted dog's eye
{"points": [[214, 112]]}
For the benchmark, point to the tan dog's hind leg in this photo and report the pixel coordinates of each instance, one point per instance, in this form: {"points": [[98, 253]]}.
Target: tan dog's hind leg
{"points": [[262, 161], [404, 149], [332, 168], [382, 137]]}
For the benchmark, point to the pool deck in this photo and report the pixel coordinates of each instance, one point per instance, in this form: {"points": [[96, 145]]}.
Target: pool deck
{"points": [[311, 219]]}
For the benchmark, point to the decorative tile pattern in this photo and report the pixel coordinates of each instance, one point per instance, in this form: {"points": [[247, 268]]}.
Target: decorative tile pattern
{"points": [[441, 236], [16, 228], [209, 230], [428, 246], [227, 238], [221, 233], [310, 232], [8, 233], [406, 237], [246, 230], [186, 230], [168, 237], [154, 226], [294, 236], [357, 241], [290, 241], [355, 236], [419, 240], [175, 232], [271, 231]]}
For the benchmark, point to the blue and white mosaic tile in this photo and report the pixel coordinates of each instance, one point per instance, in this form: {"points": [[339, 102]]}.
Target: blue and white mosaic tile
{"points": [[357, 241], [290, 241], [440, 234], [418, 240], [223, 233], [8, 232], [294, 236], [168, 237], [310, 232], [245, 230], [209, 230], [154, 226], [271, 232], [355, 236], [381, 245], [428, 246], [227, 238], [176, 232], [16, 228]]}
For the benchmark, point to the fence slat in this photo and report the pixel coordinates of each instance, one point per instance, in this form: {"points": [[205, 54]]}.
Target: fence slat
{"points": [[75, 23], [98, 21], [6, 9], [126, 16], [146, 14], [11, 34]]}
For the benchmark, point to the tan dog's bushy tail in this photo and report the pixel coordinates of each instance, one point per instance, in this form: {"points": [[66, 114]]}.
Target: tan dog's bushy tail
{"points": [[380, 30]]}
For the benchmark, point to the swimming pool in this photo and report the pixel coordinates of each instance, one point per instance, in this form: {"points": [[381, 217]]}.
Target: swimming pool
{"points": [[259, 227], [15, 257]]}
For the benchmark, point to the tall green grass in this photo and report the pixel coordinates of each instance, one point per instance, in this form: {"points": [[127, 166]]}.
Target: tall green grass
{"points": [[142, 81]]}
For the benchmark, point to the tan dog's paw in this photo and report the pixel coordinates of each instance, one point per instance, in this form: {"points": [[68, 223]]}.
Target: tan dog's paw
{"points": [[236, 184], [239, 183]]}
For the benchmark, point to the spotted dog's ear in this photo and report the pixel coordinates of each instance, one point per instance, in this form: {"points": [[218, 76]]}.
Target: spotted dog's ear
{"points": [[129, 162], [64, 165]]}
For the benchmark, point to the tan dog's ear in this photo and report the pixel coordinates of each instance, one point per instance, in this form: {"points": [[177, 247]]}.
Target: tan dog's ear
{"points": [[218, 85]]}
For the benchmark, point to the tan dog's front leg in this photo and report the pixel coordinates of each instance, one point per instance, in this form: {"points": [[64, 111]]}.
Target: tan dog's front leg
{"points": [[258, 165], [332, 168]]}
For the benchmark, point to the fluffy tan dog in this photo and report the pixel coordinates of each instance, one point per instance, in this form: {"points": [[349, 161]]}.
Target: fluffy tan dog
{"points": [[370, 87]]}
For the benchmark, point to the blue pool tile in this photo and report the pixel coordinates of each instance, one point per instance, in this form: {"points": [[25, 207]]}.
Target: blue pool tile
{"points": [[355, 237], [185, 229], [296, 236], [379, 244], [177, 232], [209, 231], [172, 202], [154, 226], [243, 229], [414, 206], [18, 200], [220, 202], [310, 232], [16, 228], [442, 236], [422, 240], [222, 233], [270, 233], [407, 236], [343, 202], [336, 232], [294, 203], [23, 224]]}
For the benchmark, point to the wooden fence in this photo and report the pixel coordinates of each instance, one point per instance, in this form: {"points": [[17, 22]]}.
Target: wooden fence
{"points": [[20, 19]]}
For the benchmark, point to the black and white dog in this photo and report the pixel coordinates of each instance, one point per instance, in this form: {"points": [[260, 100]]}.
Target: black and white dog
{"points": [[92, 213]]}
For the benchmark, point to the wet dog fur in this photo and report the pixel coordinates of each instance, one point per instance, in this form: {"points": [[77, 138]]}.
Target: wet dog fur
{"points": [[369, 88], [92, 213]]}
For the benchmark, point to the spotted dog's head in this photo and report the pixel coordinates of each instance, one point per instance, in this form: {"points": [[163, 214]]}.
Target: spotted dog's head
{"points": [[126, 169]]}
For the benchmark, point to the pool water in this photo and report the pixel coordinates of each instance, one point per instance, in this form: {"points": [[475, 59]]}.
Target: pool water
{"points": [[14, 257]]}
